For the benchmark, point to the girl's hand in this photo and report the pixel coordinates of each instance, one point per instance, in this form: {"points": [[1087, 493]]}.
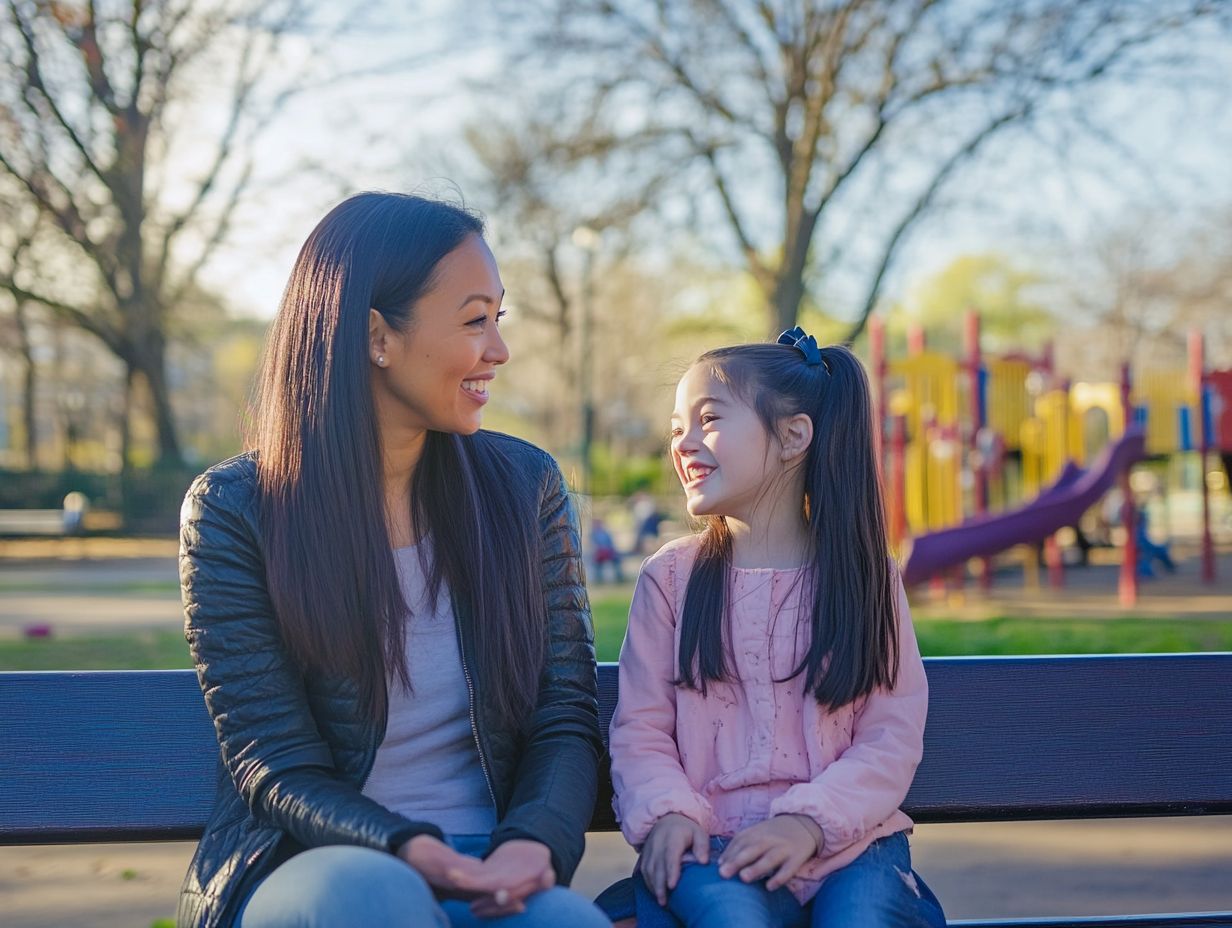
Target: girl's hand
{"points": [[780, 845], [453, 875], [517, 869], [670, 837]]}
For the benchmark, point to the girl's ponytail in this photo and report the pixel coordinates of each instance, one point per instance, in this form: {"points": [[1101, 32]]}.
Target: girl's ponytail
{"points": [[854, 643]]}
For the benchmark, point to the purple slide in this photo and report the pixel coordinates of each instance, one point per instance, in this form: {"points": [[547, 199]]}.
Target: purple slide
{"points": [[1059, 505]]}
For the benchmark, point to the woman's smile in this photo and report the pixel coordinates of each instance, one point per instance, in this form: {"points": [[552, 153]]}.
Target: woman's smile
{"points": [[476, 388]]}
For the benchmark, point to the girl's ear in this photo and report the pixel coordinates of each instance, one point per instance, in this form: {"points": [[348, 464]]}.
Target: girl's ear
{"points": [[795, 436]]}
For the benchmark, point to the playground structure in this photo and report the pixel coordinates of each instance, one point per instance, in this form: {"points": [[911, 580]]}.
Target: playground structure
{"points": [[985, 453]]}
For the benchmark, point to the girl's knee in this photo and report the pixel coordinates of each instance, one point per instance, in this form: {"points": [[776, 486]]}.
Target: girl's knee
{"points": [[703, 897], [893, 897]]}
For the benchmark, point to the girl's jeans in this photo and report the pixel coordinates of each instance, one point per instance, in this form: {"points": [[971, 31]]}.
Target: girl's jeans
{"points": [[876, 890], [334, 886]]}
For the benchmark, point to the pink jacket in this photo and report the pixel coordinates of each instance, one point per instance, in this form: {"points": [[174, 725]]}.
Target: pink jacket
{"points": [[757, 748]]}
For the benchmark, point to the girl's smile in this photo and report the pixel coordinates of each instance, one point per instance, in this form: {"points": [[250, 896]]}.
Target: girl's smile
{"points": [[696, 473]]}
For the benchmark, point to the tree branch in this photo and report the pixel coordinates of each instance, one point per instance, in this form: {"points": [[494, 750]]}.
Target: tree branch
{"points": [[922, 203], [756, 266], [35, 82], [111, 338]]}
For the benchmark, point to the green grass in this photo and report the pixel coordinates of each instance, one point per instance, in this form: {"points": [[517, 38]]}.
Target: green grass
{"points": [[997, 636], [938, 637], [152, 650], [1011, 635], [100, 589]]}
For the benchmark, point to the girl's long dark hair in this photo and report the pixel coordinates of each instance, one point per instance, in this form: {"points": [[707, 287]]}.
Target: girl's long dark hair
{"points": [[329, 565], [853, 634]]}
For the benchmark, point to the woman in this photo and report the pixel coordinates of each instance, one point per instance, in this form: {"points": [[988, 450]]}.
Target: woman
{"points": [[386, 609]]}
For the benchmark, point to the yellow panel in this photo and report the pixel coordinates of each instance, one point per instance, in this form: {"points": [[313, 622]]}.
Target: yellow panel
{"points": [[1087, 400], [1009, 403], [931, 382], [1163, 393]]}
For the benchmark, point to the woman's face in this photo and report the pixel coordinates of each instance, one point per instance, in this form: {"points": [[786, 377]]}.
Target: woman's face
{"points": [[436, 374]]}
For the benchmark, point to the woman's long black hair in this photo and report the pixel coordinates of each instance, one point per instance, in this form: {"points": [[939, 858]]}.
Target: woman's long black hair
{"points": [[853, 640], [329, 565]]}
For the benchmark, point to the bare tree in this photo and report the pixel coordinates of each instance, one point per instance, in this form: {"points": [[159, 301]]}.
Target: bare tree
{"points": [[821, 122], [1144, 284], [92, 99], [557, 234], [17, 229]]}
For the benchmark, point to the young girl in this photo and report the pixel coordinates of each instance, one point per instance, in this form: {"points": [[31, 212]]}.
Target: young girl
{"points": [[772, 696]]}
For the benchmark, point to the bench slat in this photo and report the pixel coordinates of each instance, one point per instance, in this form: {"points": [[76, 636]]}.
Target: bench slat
{"points": [[1163, 920], [131, 755]]}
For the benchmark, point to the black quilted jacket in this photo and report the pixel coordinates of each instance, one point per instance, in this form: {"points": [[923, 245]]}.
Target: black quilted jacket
{"points": [[296, 749]]}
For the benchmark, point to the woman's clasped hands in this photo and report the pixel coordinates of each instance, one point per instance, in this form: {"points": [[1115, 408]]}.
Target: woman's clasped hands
{"points": [[496, 886]]}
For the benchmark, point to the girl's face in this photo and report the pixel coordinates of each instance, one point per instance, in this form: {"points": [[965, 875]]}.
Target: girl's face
{"points": [[720, 449], [436, 374]]}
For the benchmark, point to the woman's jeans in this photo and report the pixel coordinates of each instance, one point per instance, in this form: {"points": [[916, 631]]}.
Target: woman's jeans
{"points": [[876, 890], [340, 885]]}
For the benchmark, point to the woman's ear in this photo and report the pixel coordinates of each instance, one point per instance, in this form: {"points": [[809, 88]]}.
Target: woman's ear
{"points": [[378, 336], [795, 436]]}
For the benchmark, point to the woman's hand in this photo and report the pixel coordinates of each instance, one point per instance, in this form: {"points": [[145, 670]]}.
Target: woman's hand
{"points": [[451, 874], [666, 844], [780, 845], [515, 871]]}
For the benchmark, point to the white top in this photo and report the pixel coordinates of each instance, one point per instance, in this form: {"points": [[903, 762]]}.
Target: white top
{"points": [[428, 768]]}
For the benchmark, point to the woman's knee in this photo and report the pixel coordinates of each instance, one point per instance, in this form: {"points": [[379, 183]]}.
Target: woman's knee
{"points": [[343, 885], [546, 909], [561, 906]]}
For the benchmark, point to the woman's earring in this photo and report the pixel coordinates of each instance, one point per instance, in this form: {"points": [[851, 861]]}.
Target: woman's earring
{"points": [[380, 360]]}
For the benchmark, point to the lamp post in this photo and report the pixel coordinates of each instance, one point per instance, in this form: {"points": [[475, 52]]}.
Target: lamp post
{"points": [[587, 239]]}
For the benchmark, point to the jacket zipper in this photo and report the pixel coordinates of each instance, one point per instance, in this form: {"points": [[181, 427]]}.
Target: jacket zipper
{"points": [[470, 691]]}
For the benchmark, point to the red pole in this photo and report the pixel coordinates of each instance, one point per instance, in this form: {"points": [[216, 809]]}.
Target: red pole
{"points": [[916, 340], [898, 480], [1128, 585], [877, 361], [979, 467], [1056, 566], [1197, 376]]}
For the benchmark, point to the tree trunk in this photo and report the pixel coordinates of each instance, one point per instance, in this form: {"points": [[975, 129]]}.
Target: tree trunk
{"points": [[788, 292], [126, 418], [30, 383], [789, 281], [153, 366]]}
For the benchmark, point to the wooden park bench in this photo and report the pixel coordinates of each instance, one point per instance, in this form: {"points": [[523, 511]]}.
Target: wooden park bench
{"points": [[22, 522], [131, 755]]}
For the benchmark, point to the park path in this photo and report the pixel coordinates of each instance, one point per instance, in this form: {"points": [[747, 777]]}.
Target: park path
{"points": [[100, 586]]}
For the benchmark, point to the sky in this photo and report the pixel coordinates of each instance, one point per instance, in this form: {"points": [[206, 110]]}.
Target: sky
{"points": [[1040, 199]]}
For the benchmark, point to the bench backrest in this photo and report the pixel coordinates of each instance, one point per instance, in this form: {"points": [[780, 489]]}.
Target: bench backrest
{"points": [[131, 755]]}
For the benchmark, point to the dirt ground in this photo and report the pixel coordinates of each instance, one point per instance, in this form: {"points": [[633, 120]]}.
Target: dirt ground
{"points": [[978, 871]]}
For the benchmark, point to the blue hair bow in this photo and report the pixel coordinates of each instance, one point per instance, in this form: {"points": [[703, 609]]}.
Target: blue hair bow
{"points": [[806, 344]]}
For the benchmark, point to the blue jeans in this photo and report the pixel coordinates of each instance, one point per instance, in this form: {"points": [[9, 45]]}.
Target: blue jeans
{"points": [[341, 885], [876, 890]]}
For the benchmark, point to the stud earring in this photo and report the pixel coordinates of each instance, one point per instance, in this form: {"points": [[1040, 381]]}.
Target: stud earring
{"points": [[380, 360]]}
